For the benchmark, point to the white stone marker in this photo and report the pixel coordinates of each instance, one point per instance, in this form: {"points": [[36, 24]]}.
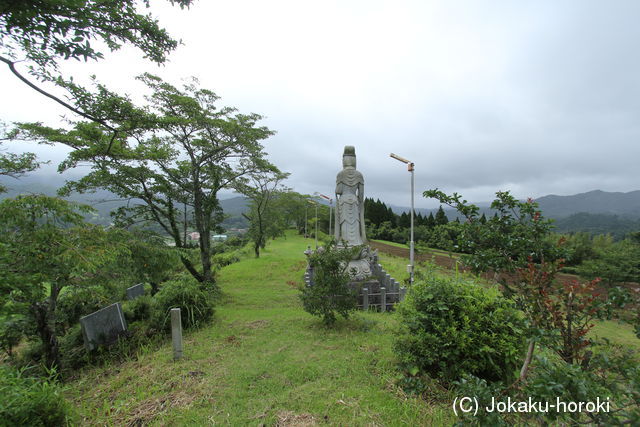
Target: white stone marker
{"points": [[176, 333]]}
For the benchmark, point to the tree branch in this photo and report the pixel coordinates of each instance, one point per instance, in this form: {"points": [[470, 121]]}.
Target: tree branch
{"points": [[13, 69], [68, 106]]}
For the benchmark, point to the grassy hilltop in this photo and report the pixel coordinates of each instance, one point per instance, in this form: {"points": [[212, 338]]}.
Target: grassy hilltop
{"points": [[263, 361]]}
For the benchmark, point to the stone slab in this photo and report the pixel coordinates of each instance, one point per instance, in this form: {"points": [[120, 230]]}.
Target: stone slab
{"points": [[135, 291], [103, 326]]}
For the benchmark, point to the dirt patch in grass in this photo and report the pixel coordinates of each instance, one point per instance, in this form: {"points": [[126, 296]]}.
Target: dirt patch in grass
{"points": [[256, 324], [149, 409], [232, 340], [291, 419]]}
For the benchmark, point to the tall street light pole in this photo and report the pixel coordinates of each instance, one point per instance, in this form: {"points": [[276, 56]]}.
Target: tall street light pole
{"points": [[305, 221], [330, 208], [313, 202], [410, 168]]}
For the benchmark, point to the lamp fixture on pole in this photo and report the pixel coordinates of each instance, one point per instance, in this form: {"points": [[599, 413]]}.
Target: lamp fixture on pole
{"points": [[410, 168]]}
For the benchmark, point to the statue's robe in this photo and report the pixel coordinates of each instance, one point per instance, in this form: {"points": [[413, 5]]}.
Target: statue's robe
{"points": [[350, 207]]}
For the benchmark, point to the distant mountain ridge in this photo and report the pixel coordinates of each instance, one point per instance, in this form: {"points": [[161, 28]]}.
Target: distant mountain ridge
{"points": [[105, 202], [595, 211], [595, 202], [592, 202]]}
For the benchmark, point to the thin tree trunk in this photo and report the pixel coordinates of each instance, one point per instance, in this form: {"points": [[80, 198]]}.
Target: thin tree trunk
{"points": [[205, 256], [191, 269], [202, 210], [44, 314], [51, 323], [527, 360]]}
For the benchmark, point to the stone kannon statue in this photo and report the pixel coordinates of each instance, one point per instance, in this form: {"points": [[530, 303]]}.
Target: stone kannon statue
{"points": [[350, 229], [364, 270], [349, 223]]}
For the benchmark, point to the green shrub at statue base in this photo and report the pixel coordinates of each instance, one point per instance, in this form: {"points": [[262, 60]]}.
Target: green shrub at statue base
{"points": [[450, 329], [330, 293]]}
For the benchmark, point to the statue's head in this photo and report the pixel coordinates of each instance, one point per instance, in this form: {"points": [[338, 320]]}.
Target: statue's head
{"points": [[349, 156]]}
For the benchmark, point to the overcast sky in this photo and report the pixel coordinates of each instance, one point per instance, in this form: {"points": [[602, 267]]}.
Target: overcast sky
{"points": [[537, 97]]}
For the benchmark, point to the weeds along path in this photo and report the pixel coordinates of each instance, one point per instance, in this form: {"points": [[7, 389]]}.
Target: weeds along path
{"points": [[262, 361]]}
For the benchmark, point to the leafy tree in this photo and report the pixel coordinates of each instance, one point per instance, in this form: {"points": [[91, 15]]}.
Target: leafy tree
{"points": [[441, 217], [516, 242], [265, 220], [506, 242], [378, 212], [386, 231], [44, 247], [430, 221], [11, 332], [291, 206], [419, 219], [149, 258], [368, 211], [372, 211], [14, 165], [404, 221], [391, 216], [620, 262], [183, 151], [41, 33], [421, 236], [579, 247], [446, 237]]}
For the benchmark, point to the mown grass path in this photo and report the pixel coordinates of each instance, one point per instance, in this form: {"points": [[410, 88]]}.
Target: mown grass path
{"points": [[264, 361]]}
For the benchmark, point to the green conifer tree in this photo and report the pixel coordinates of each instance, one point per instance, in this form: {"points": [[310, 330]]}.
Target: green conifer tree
{"points": [[430, 221], [441, 217]]}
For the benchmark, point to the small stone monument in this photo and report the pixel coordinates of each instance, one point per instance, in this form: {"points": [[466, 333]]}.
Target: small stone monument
{"points": [[380, 290], [103, 326], [135, 291], [176, 333]]}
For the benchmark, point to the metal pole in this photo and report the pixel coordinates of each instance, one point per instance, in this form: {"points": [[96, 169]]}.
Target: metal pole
{"points": [[411, 244], [330, 209], [410, 168], [316, 226]]}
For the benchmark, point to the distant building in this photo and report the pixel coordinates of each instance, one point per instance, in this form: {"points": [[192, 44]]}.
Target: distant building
{"points": [[194, 236], [219, 237]]}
